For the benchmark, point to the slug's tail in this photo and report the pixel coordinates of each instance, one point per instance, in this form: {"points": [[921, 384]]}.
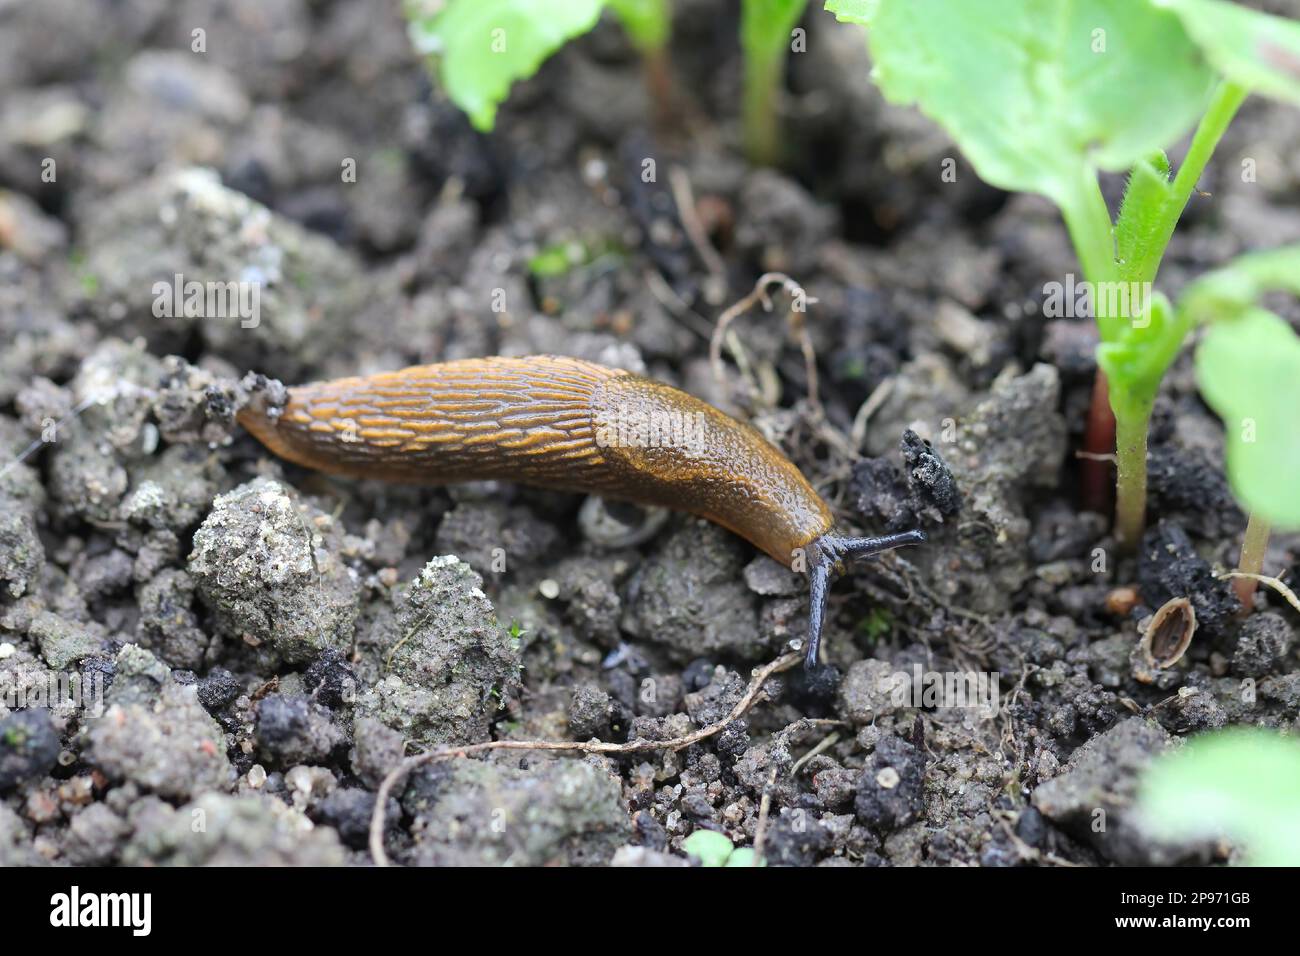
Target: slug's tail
{"points": [[826, 557]]}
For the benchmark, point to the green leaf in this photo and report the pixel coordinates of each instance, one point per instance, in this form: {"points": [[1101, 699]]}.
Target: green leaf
{"points": [[1257, 50], [1243, 783], [557, 259], [743, 856], [709, 847], [1248, 369], [481, 47], [1229, 290], [852, 11], [647, 22], [1037, 90]]}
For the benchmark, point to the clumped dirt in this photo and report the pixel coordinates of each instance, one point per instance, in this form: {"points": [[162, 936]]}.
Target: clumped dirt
{"points": [[269, 643]]}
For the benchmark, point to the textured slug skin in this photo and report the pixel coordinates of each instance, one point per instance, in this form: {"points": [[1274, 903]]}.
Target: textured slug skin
{"points": [[556, 423]]}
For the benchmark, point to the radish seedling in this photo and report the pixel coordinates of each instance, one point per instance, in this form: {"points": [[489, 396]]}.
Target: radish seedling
{"points": [[1043, 95], [765, 29], [1248, 370], [714, 849], [480, 48]]}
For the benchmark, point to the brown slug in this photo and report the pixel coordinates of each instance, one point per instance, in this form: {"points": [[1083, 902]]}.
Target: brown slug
{"points": [[566, 424]]}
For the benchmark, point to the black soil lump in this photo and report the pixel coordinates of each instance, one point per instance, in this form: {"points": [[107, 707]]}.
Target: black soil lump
{"points": [[29, 747], [890, 788]]}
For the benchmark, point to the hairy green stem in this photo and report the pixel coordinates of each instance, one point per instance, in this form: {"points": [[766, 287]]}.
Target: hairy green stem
{"points": [[1132, 417], [1253, 547], [1224, 103], [1131, 468]]}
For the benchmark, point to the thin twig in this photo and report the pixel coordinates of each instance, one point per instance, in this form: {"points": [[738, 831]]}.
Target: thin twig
{"points": [[670, 300], [764, 808], [1096, 456], [1275, 583], [74, 413], [399, 773], [759, 296], [1026, 851], [680, 184], [879, 395], [809, 362], [410, 633], [829, 741]]}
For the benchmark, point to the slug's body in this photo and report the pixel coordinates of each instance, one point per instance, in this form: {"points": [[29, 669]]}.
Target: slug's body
{"points": [[567, 424]]}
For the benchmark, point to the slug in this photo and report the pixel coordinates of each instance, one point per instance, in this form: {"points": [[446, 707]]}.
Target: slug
{"points": [[566, 424]]}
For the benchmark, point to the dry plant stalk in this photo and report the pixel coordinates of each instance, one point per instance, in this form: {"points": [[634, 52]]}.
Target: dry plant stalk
{"points": [[400, 772]]}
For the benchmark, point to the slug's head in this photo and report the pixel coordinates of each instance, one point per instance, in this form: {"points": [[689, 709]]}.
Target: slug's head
{"points": [[826, 557]]}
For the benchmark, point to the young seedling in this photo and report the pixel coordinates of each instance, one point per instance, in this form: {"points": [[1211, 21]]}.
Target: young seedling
{"points": [[1248, 370], [714, 849], [765, 38], [1042, 96], [1242, 783], [480, 48]]}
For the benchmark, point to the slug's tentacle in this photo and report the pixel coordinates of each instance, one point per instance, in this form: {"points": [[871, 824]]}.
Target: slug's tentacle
{"points": [[826, 557]]}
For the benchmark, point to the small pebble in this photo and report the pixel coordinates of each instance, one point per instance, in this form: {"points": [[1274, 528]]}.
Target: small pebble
{"points": [[1121, 601]]}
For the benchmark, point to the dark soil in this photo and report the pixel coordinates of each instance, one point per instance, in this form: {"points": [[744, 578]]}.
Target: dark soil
{"points": [[269, 642]]}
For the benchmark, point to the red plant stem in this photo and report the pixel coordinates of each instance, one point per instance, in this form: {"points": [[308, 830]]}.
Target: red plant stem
{"points": [[659, 84], [1097, 474]]}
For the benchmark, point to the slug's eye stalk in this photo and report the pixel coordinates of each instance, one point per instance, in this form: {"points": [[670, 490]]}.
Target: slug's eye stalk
{"points": [[826, 556]]}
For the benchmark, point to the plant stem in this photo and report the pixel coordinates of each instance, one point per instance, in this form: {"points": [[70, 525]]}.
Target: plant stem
{"points": [[659, 84], [649, 25], [762, 83], [1251, 561], [1131, 473], [1088, 221], [1224, 103], [1131, 422], [1098, 441]]}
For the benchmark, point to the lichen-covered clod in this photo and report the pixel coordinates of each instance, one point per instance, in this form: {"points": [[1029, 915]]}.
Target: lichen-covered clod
{"points": [[170, 747], [220, 830], [271, 572], [448, 663], [21, 553], [478, 814]]}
